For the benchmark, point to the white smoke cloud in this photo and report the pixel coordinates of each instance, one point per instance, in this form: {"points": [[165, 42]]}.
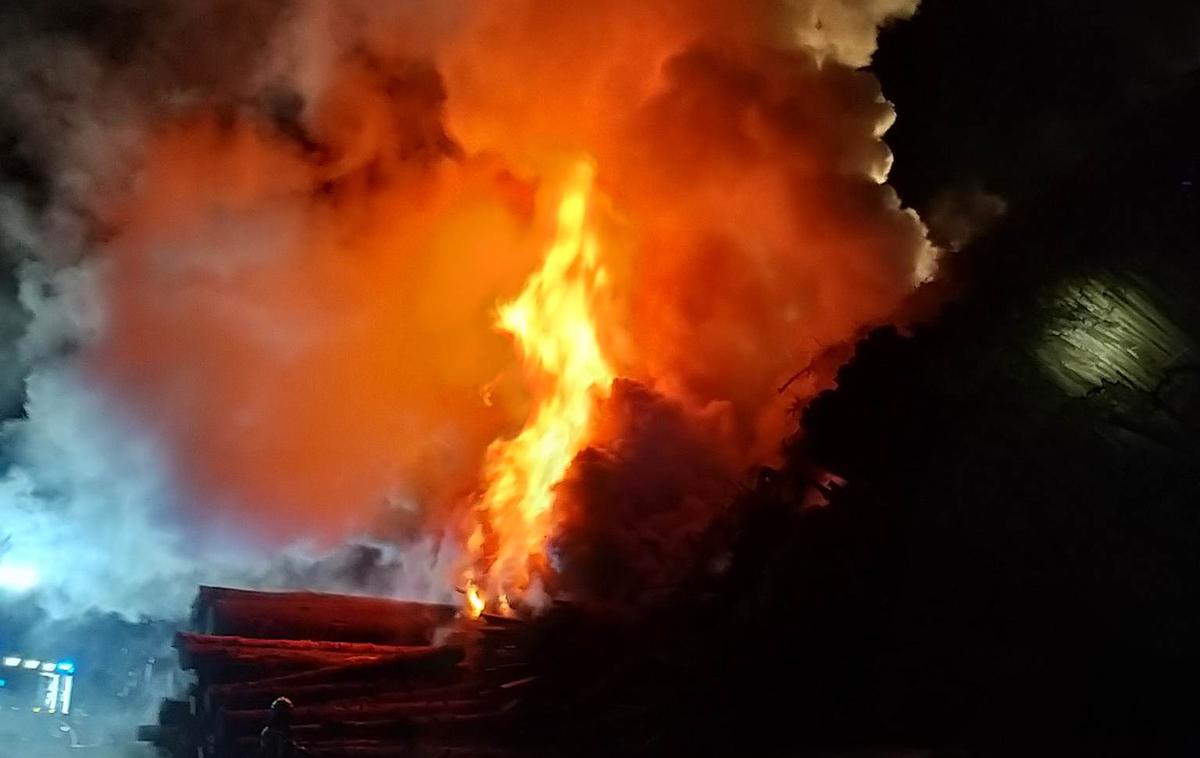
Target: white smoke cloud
{"points": [[89, 507], [85, 504], [89, 504], [87, 500], [845, 30]]}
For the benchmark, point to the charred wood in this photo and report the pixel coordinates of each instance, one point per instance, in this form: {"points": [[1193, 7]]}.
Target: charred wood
{"points": [[317, 616]]}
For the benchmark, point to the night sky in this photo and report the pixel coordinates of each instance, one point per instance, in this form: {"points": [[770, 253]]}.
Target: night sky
{"points": [[1009, 95]]}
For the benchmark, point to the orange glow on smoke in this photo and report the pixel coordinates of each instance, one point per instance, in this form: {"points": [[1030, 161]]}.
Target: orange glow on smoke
{"points": [[300, 276], [554, 326]]}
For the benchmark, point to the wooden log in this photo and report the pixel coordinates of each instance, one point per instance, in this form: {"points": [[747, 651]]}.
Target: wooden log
{"points": [[432, 661], [397, 729], [157, 734], [238, 723], [173, 712], [197, 651], [237, 696], [317, 616], [201, 642], [268, 658], [221, 666], [495, 725], [259, 667]]}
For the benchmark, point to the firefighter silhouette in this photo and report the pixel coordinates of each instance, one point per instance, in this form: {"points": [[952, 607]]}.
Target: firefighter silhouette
{"points": [[276, 741]]}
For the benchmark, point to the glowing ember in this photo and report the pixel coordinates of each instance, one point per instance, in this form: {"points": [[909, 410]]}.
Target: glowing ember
{"points": [[553, 324]]}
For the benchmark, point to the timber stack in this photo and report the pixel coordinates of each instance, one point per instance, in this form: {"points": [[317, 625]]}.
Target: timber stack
{"points": [[370, 678]]}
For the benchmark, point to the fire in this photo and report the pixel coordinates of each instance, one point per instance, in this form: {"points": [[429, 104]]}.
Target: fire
{"points": [[553, 324], [297, 289], [475, 601]]}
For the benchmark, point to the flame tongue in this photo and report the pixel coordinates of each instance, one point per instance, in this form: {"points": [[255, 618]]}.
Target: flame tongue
{"points": [[553, 323]]}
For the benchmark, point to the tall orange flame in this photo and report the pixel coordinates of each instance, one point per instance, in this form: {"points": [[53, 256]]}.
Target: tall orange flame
{"points": [[553, 324]]}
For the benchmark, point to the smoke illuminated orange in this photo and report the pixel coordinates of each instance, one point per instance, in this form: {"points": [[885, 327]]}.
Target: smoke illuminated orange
{"points": [[554, 326], [297, 291]]}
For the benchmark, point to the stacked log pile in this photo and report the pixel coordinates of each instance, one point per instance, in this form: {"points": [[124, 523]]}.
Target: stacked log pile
{"points": [[370, 678]]}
